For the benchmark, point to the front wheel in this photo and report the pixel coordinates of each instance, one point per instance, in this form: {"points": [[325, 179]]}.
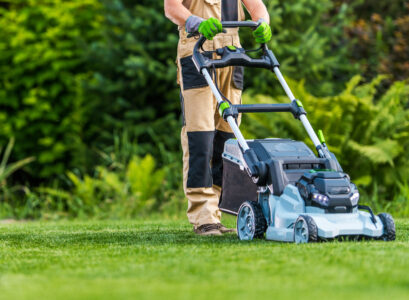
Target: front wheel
{"points": [[250, 221], [389, 231], [305, 230]]}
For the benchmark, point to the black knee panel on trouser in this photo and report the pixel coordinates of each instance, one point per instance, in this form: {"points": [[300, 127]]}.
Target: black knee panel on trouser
{"points": [[182, 107], [217, 162], [200, 153]]}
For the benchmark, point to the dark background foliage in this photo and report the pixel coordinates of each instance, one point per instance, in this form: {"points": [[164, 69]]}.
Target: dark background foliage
{"points": [[93, 83]]}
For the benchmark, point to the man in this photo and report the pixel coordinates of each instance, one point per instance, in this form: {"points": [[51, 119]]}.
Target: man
{"points": [[204, 132]]}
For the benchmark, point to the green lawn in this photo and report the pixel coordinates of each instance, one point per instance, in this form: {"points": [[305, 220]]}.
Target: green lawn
{"points": [[157, 259]]}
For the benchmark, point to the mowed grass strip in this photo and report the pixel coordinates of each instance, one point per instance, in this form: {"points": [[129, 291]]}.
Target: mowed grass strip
{"points": [[163, 259]]}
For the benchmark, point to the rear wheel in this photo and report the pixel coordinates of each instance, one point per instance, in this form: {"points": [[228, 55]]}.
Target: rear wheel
{"points": [[305, 230], [250, 221], [389, 232]]}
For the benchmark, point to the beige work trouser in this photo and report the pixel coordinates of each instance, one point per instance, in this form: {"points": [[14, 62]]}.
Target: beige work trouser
{"points": [[204, 131]]}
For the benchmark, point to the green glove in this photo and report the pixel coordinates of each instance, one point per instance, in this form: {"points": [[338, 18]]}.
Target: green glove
{"points": [[262, 33], [210, 27]]}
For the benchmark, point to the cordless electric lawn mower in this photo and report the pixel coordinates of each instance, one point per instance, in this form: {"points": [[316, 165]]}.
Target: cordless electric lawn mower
{"points": [[279, 187]]}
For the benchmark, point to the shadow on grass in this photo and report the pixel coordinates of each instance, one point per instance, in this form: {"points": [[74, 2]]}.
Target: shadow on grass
{"points": [[149, 235], [147, 238], [129, 238]]}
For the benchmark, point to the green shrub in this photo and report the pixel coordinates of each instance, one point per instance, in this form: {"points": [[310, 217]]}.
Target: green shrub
{"points": [[364, 9], [72, 73], [400, 203], [123, 194], [132, 80], [368, 132], [380, 39], [309, 42], [41, 64], [9, 192], [77, 75], [120, 193]]}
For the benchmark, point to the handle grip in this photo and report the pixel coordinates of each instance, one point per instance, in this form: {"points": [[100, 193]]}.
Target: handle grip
{"points": [[232, 24], [267, 61], [235, 24], [228, 24]]}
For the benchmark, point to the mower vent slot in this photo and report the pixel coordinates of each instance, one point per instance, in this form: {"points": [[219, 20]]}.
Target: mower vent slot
{"points": [[294, 166]]}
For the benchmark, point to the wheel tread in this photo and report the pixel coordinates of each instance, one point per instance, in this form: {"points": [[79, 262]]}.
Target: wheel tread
{"points": [[261, 224], [389, 227], [259, 220], [312, 228]]}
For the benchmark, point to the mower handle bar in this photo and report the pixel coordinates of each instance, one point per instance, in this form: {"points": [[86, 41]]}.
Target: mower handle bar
{"points": [[235, 24], [233, 56]]}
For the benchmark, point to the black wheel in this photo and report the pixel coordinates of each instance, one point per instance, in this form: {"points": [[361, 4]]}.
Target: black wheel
{"points": [[305, 230], [389, 232], [250, 221]]}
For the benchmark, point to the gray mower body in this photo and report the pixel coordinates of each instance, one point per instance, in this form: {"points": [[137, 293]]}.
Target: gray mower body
{"points": [[294, 168], [283, 211]]}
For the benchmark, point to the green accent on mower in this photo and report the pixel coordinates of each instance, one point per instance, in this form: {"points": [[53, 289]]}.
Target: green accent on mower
{"points": [[322, 170], [321, 136], [222, 107]]}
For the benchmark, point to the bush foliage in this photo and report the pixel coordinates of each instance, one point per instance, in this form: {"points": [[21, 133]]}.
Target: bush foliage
{"points": [[87, 86], [74, 72], [115, 193], [132, 80], [41, 64], [381, 44], [309, 42]]}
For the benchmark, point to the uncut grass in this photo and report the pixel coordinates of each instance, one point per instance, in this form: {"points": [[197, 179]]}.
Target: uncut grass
{"points": [[160, 258]]}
